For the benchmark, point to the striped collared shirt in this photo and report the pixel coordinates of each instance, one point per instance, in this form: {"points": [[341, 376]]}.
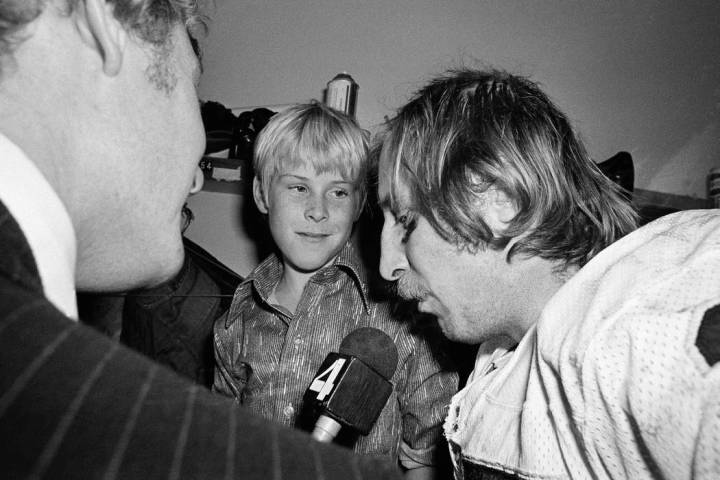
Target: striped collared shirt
{"points": [[284, 352]]}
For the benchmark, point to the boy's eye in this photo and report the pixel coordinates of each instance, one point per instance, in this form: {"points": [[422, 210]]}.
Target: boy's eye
{"points": [[340, 193], [298, 188]]}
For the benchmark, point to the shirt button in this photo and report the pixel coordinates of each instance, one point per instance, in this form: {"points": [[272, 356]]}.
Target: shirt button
{"points": [[298, 341], [288, 411]]}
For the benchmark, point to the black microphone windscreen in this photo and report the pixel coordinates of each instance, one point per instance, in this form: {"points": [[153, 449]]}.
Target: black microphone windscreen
{"points": [[374, 348]]}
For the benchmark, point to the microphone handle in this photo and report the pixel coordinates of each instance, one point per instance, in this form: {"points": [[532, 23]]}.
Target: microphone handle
{"points": [[326, 429]]}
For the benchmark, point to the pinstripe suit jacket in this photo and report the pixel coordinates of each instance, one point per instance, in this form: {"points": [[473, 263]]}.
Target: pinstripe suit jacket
{"points": [[75, 404]]}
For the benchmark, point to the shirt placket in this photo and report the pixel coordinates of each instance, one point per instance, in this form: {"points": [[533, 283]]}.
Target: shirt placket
{"points": [[293, 355]]}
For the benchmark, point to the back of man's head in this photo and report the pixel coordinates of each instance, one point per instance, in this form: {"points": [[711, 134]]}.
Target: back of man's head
{"points": [[103, 95], [14, 15], [150, 20], [471, 130]]}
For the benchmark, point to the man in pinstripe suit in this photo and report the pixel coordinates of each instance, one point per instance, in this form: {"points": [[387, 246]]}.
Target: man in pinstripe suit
{"points": [[100, 134]]}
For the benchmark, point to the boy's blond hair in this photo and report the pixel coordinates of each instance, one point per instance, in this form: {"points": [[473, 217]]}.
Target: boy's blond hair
{"points": [[317, 135]]}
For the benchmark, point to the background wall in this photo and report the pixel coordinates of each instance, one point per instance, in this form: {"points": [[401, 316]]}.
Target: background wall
{"points": [[641, 76]]}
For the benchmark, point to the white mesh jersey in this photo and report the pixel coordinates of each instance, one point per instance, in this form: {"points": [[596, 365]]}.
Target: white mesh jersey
{"points": [[620, 377]]}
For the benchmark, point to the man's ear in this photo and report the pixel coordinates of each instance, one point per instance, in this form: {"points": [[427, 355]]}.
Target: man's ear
{"points": [[259, 197], [100, 29], [498, 210]]}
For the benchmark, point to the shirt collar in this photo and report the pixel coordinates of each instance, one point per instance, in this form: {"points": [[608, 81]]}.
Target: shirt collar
{"points": [[45, 223], [266, 275], [350, 261]]}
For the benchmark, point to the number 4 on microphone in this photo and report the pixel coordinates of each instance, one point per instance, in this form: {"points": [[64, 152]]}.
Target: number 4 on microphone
{"points": [[324, 383]]}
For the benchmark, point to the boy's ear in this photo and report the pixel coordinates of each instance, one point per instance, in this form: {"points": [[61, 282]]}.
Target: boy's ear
{"points": [[99, 28], [259, 197]]}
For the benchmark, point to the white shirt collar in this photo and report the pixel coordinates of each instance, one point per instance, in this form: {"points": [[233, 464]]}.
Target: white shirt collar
{"points": [[44, 221]]}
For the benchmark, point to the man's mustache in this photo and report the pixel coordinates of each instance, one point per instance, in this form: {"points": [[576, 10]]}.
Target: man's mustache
{"points": [[408, 288]]}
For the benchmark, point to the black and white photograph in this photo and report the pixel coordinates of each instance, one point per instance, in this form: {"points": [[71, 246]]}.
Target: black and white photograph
{"points": [[332, 239]]}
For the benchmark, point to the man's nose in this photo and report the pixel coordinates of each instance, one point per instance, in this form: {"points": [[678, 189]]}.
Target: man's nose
{"points": [[316, 209], [393, 262]]}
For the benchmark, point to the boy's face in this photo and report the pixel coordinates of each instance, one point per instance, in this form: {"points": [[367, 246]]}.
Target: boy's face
{"points": [[310, 214]]}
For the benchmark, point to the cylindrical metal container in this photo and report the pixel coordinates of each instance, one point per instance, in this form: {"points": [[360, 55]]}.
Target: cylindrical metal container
{"points": [[341, 93]]}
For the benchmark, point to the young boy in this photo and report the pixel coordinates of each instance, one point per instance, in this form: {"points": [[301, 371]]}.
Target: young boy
{"points": [[297, 305]]}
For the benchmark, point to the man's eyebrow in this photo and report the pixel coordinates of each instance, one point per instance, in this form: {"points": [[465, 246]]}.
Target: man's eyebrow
{"points": [[393, 207]]}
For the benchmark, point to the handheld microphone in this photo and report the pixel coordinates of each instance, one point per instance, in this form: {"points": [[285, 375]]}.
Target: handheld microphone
{"points": [[351, 387]]}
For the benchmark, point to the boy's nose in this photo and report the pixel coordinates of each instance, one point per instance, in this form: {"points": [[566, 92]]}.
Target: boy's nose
{"points": [[316, 210], [393, 263]]}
